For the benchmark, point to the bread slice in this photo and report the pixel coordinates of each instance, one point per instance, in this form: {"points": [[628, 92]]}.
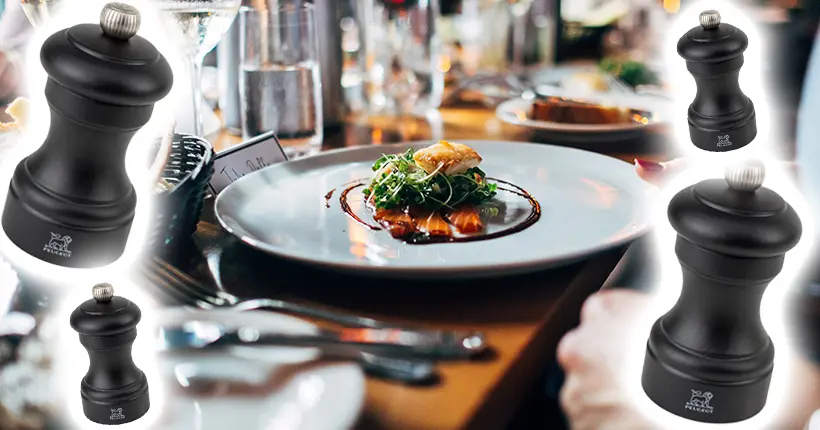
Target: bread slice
{"points": [[554, 109]]}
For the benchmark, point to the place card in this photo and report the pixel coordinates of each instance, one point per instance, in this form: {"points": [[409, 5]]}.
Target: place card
{"points": [[252, 155]]}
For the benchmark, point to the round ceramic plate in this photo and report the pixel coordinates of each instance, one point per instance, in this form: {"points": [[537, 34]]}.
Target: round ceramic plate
{"points": [[258, 387], [519, 112], [589, 203]]}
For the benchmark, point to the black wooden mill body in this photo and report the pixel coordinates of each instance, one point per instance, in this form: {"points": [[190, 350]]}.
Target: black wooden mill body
{"points": [[709, 358], [114, 391], [71, 203], [721, 117]]}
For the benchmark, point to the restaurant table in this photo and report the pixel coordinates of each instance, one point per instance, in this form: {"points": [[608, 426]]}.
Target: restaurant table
{"points": [[523, 316]]}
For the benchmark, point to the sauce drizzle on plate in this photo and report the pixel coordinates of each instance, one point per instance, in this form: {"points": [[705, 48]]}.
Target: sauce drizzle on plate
{"points": [[422, 239]]}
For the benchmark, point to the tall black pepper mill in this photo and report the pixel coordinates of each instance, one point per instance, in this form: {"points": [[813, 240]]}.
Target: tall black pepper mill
{"points": [[71, 203], [709, 358], [721, 118], [114, 391]]}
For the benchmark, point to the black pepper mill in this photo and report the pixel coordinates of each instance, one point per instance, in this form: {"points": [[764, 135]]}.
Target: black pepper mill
{"points": [[721, 118], [709, 358], [114, 391], [71, 203]]}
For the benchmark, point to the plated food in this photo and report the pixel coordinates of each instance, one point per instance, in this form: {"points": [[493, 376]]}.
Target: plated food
{"points": [[11, 131], [590, 202], [435, 194], [587, 120], [18, 111], [569, 111], [631, 72]]}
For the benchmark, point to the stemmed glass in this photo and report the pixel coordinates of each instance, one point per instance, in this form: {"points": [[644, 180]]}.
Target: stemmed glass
{"points": [[519, 9], [198, 25], [37, 11]]}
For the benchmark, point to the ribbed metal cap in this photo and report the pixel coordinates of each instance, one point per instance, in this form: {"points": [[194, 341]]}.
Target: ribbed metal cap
{"points": [[120, 20], [103, 292], [748, 176], [710, 19]]}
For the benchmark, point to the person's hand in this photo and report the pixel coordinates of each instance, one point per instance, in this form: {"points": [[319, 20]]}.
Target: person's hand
{"points": [[592, 356], [655, 173], [10, 77]]}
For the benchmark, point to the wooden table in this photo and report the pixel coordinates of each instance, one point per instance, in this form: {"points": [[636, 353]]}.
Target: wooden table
{"points": [[524, 317]]}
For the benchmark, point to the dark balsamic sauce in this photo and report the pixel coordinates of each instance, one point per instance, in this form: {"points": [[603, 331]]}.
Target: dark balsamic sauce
{"points": [[423, 239], [346, 207], [328, 196]]}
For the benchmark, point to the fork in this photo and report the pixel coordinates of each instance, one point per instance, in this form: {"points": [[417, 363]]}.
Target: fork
{"points": [[180, 287], [409, 371], [183, 288]]}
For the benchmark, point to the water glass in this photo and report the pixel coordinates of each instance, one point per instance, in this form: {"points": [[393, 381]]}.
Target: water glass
{"points": [[402, 56], [279, 82]]}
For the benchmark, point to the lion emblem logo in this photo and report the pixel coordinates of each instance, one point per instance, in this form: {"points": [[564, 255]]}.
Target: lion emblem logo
{"points": [[724, 141], [116, 414], [59, 243], [700, 401]]}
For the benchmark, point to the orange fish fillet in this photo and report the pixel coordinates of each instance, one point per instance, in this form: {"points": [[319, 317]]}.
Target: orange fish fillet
{"points": [[398, 223], [466, 220], [432, 224]]}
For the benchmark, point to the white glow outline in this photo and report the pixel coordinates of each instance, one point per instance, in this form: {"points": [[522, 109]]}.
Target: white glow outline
{"points": [[711, 165], [73, 286]]}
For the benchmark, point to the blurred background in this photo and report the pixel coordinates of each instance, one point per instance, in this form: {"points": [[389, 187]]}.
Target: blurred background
{"points": [[553, 43]]}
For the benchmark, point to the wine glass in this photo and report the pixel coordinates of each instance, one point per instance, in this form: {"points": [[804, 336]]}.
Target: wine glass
{"points": [[519, 9], [38, 11], [198, 25]]}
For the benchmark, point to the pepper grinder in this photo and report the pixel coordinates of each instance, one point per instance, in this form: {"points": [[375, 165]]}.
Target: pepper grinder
{"points": [[721, 118], [114, 391], [70, 203], [709, 358]]}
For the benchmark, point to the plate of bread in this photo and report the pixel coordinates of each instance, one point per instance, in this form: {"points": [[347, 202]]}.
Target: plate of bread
{"points": [[590, 118]]}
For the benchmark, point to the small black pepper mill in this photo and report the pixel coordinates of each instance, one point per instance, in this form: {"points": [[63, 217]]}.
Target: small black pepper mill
{"points": [[114, 391], [71, 202], [709, 358], [721, 118]]}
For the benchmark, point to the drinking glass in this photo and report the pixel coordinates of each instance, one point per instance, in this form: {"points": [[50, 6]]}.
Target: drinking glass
{"points": [[519, 10], [38, 11], [280, 83], [402, 56], [197, 26]]}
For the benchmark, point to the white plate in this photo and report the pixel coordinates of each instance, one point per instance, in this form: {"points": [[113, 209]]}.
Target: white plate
{"points": [[519, 112], [589, 202], [308, 396]]}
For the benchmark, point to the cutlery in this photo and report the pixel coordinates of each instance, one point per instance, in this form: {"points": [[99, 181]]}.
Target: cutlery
{"points": [[180, 287], [394, 342], [198, 335]]}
